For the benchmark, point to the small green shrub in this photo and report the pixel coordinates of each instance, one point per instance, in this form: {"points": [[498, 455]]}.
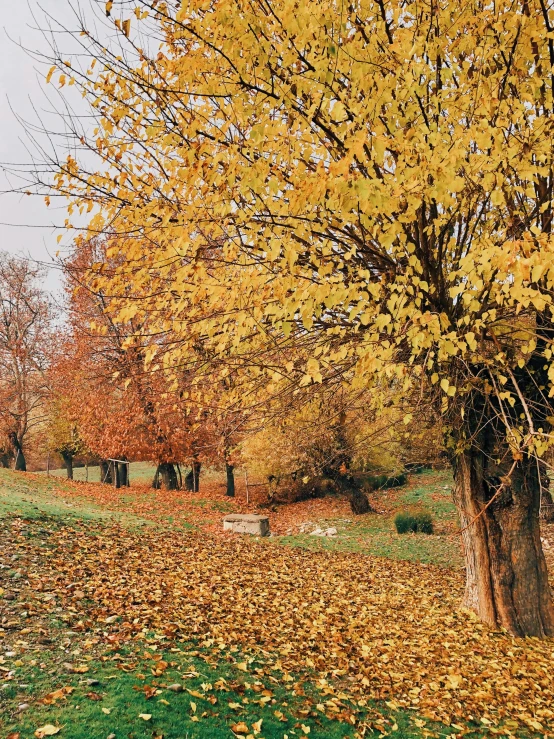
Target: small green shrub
{"points": [[379, 482], [405, 522], [424, 523], [414, 522], [396, 481]]}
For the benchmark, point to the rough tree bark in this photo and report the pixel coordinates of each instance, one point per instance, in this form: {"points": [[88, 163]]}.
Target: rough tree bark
{"points": [[506, 575], [123, 472], [230, 472], [68, 462], [192, 478], [189, 481], [166, 477], [20, 464]]}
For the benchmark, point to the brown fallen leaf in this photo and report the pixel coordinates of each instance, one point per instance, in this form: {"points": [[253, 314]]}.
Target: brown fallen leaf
{"points": [[13, 735], [94, 696]]}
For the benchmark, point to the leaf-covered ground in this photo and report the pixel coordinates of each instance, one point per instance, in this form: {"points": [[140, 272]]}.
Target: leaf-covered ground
{"points": [[370, 534], [322, 642]]}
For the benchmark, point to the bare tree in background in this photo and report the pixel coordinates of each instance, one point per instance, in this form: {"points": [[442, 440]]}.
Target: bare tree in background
{"points": [[25, 337]]}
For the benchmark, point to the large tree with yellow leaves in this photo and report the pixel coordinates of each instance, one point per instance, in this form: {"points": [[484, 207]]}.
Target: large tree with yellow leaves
{"points": [[355, 193]]}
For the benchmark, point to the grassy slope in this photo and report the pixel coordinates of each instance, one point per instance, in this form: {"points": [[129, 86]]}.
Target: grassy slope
{"points": [[35, 496], [373, 534]]}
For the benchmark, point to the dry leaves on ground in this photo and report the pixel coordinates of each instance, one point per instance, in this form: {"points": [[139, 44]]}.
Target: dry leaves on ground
{"points": [[205, 509], [383, 629]]}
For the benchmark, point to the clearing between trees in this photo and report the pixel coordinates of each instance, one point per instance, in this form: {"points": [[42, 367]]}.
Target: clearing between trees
{"points": [[130, 614]]}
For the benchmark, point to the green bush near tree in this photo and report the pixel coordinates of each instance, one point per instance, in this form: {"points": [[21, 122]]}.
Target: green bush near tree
{"points": [[420, 522]]}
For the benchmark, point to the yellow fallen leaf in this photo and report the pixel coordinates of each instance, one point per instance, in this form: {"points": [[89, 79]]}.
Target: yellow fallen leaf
{"points": [[242, 666], [162, 700], [107, 711], [145, 716], [257, 726], [305, 729], [454, 681], [193, 706], [46, 730], [240, 728]]}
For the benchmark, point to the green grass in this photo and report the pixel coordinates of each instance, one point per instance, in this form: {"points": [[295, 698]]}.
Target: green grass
{"points": [[372, 534], [34, 498], [432, 491], [227, 688], [375, 534], [383, 541]]}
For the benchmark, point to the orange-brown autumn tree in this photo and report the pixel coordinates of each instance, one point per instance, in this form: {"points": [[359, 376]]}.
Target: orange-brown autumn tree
{"points": [[121, 411]]}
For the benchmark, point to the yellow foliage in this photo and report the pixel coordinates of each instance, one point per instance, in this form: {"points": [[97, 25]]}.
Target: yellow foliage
{"points": [[362, 187]]}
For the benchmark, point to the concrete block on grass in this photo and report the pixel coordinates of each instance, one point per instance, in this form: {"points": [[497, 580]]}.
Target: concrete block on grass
{"points": [[246, 523]]}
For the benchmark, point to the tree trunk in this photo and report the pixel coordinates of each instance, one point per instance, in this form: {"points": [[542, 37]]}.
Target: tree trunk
{"points": [[156, 480], [196, 466], [20, 464], [506, 575], [105, 472], [123, 473], [68, 461], [229, 469], [167, 474], [114, 468], [192, 478], [5, 458]]}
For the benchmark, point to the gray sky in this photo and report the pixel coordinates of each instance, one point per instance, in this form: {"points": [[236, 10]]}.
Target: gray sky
{"points": [[21, 87]]}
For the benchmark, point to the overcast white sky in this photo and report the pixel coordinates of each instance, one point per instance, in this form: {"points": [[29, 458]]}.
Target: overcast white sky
{"points": [[21, 87]]}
